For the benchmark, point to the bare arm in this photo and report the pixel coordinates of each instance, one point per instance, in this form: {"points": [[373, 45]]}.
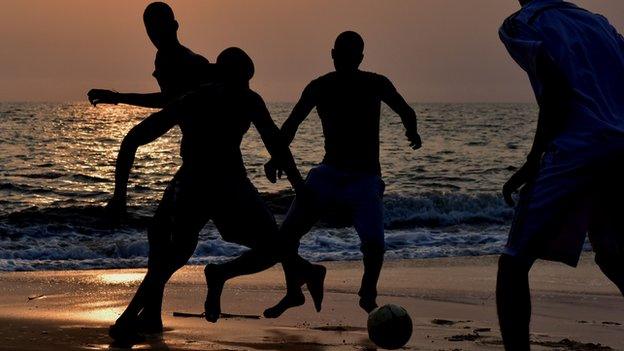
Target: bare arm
{"points": [[276, 143], [550, 119], [150, 100], [300, 112], [397, 103], [143, 133]]}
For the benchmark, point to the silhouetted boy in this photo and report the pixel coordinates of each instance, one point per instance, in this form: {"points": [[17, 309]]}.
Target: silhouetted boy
{"points": [[177, 70], [572, 180], [348, 102], [211, 184]]}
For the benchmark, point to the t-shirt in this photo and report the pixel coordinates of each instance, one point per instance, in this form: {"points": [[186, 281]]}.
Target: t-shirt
{"points": [[589, 55], [349, 106], [180, 70]]}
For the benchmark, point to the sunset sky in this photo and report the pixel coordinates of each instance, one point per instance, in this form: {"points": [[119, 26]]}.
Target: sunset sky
{"points": [[434, 50]]}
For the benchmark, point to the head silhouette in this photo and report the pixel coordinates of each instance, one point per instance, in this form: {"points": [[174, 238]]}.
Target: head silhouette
{"points": [[236, 66], [348, 51], [161, 26]]}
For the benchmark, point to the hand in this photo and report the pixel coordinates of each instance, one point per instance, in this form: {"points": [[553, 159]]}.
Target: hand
{"points": [[115, 210], [510, 188], [520, 178], [414, 139], [303, 193], [101, 96], [272, 172]]}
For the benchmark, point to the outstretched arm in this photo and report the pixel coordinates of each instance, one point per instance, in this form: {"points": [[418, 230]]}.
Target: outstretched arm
{"points": [[276, 143], [289, 129], [553, 95], [398, 104], [150, 100], [143, 133], [300, 112]]}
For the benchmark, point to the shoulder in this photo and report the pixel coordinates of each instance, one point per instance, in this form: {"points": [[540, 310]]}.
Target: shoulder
{"points": [[520, 31], [320, 82], [380, 78], [255, 99], [250, 103], [510, 24], [376, 79], [190, 55], [324, 79], [520, 23]]}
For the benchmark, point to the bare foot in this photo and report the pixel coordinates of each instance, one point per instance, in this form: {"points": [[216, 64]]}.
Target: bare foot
{"points": [[315, 283], [289, 301], [125, 334]]}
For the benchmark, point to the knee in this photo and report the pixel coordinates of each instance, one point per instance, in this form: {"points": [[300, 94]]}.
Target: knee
{"points": [[285, 240], [609, 261], [169, 258], [373, 247], [513, 265], [275, 250]]}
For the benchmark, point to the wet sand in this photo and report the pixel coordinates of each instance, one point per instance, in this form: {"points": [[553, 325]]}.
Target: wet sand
{"points": [[450, 300]]}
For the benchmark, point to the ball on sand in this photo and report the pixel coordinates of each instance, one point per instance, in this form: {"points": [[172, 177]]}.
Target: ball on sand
{"points": [[389, 327]]}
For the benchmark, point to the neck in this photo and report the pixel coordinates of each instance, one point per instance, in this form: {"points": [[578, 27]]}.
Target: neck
{"points": [[347, 70], [170, 44], [236, 85]]}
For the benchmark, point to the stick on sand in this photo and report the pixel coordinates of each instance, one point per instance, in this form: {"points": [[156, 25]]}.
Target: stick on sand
{"points": [[223, 315]]}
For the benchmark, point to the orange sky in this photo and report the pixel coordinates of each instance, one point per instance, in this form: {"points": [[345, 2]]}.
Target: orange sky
{"points": [[434, 50]]}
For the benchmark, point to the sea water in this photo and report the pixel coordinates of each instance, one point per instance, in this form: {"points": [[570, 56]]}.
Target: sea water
{"points": [[57, 164]]}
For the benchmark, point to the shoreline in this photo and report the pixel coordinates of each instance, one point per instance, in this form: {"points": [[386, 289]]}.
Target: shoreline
{"points": [[451, 301]]}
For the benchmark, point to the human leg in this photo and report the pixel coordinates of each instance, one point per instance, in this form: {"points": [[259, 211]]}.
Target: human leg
{"points": [[172, 237], [243, 218], [606, 232], [366, 202], [513, 301], [302, 215], [551, 221]]}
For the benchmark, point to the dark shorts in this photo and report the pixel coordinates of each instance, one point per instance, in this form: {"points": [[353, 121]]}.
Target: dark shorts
{"points": [[234, 206], [568, 201]]}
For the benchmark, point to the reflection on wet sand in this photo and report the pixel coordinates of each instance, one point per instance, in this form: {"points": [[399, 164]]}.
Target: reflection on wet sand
{"points": [[121, 278]]}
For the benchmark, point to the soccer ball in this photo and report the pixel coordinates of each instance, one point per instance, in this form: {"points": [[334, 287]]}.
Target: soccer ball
{"points": [[389, 327]]}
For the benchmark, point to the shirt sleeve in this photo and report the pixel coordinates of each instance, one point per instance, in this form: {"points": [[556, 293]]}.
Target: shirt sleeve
{"points": [[523, 43], [613, 31]]}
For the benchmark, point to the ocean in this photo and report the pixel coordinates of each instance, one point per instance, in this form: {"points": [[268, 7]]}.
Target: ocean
{"points": [[57, 169]]}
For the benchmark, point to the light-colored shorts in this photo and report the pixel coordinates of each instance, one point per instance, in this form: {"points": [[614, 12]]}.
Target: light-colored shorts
{"points": [[361, 195], [567, 201]]}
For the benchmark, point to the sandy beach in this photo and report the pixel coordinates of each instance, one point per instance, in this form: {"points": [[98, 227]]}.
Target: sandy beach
{"points": [[450, 300]]}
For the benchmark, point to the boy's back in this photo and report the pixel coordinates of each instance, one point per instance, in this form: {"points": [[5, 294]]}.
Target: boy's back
{"points": [[589, 55]]}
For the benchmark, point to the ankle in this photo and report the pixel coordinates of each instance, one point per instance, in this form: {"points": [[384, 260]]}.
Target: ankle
{"points": [[296, 295], [368, 304], [150, 317], [214, 273]]}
